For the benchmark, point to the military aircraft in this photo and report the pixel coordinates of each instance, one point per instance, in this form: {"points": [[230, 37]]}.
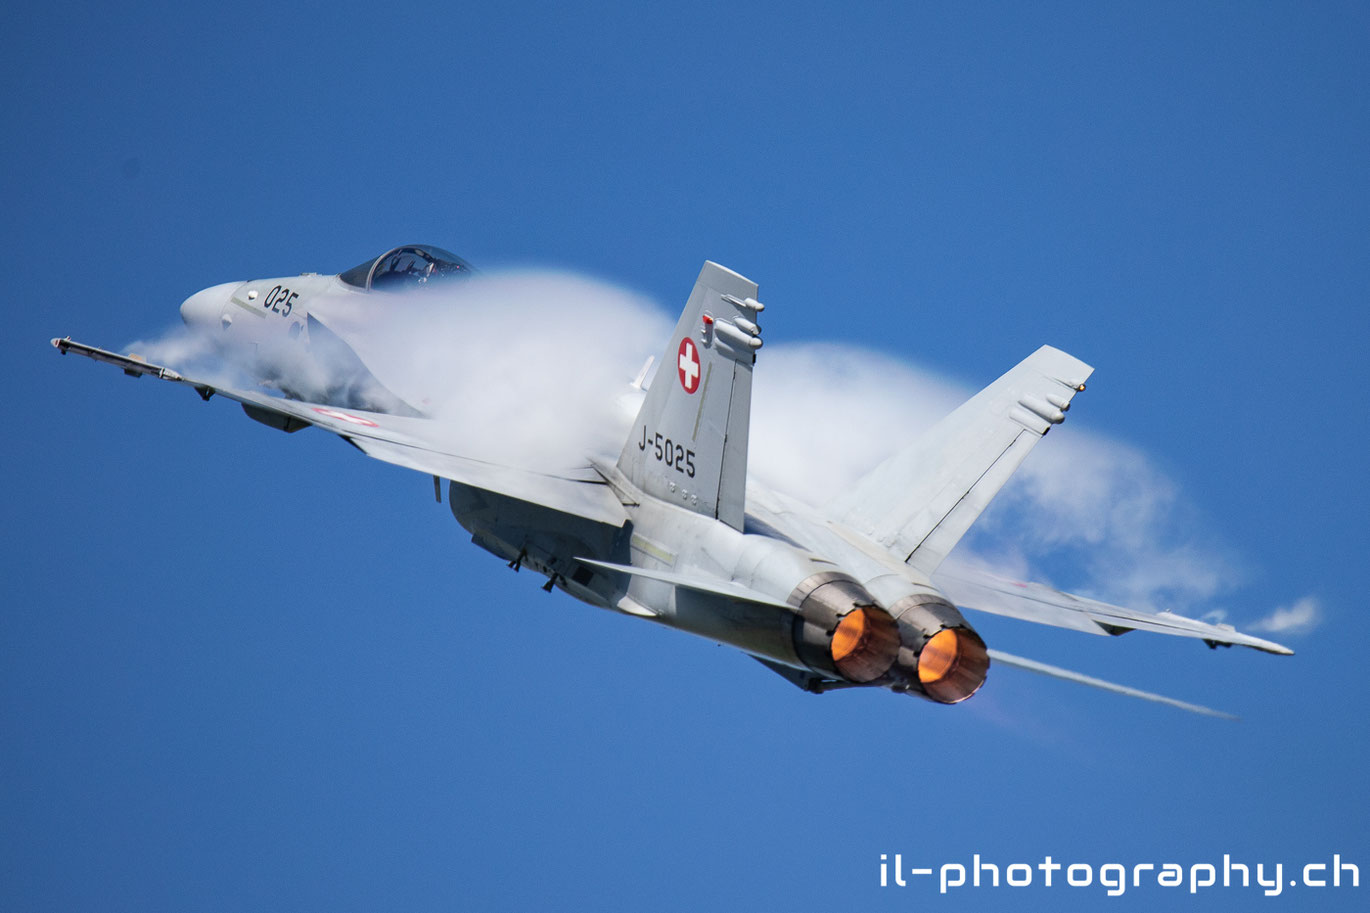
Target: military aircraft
{"points": [[849, 594]]}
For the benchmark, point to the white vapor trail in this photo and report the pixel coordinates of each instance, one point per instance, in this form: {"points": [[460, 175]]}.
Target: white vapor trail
{"points": [[1299, 618], [533, 368]]}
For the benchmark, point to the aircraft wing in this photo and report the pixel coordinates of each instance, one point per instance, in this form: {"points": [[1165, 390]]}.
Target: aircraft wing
{"points": [[421, 444], [984, 592]]}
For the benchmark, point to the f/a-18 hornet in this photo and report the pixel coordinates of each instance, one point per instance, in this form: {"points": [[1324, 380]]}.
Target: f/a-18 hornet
{"points": [[847, 595]]}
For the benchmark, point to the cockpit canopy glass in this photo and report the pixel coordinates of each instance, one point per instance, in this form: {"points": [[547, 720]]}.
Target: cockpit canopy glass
{"points": [[408, 267]]}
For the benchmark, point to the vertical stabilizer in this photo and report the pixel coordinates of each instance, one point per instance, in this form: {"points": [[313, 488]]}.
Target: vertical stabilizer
{"points": [[920, 502], [689, 443]]}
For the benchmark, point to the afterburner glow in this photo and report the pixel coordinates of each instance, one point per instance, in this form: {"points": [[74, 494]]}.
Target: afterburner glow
{"points": [[952, 665]]}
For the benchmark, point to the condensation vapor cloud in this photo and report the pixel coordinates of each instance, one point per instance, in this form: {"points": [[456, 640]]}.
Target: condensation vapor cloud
{"points": [[1301, 617], [529, 368], [533, 368], [1099, 502], [189, 352], [1086, 513]]}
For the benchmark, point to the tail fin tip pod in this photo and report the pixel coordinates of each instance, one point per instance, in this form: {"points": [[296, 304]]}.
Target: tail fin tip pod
{"points": [[688, 445], [922, 500]]}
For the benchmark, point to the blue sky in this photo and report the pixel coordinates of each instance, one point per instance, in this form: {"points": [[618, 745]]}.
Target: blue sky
{"points": [[244, 670]]}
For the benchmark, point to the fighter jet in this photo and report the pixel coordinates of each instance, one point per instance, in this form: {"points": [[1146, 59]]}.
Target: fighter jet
{"points": [[848, 594]]}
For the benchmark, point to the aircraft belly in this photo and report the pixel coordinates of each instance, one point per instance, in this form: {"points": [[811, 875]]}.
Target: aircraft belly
{"points": [[541, 538]]}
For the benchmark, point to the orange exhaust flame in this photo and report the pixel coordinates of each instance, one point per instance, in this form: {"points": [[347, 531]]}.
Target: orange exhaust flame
{"points": [[850, 633], [939, 656], [865, 644], [952, 665]]}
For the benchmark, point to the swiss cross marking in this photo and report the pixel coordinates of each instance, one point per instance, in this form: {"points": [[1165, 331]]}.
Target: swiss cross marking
{"points": [[688, 365]]}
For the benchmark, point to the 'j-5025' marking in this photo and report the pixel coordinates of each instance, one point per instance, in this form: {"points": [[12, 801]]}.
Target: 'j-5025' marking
{"points": [[667, 451]]}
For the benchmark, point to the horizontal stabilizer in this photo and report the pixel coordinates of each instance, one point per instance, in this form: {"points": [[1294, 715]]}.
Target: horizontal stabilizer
{"points": [[805, 680]]}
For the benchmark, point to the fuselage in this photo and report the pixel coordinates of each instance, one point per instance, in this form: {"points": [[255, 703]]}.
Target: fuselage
{"points": [[787, 588]]}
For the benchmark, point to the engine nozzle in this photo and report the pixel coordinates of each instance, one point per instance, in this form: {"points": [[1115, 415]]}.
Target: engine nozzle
{"points": [[952, 665], [941, 657], [865, 643], [840, 630]]}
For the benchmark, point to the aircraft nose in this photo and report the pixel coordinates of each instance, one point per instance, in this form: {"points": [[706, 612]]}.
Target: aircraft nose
{"points": [[203, 309]]}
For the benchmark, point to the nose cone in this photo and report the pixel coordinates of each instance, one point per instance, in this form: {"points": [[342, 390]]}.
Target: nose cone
{"points": [[203, 309]]}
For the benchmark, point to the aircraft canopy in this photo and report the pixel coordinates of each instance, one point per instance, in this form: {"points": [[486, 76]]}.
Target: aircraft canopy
{"points": [[407, 267]]}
